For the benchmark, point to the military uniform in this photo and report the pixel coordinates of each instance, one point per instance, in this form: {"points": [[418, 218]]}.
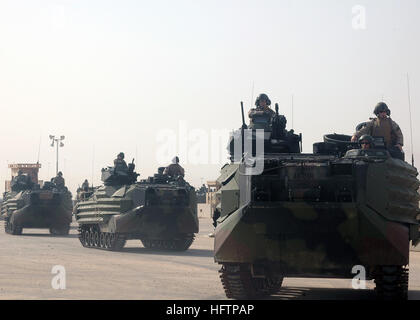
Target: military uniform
{"points": [[266, 109], [120, 165], [260, 113], [260, 117], [59, 181], [85, 185], [386, 128], [174, 170]]}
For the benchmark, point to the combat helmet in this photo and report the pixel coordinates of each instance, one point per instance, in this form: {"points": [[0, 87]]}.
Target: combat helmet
{"points": [[380, 107], [121, 154], [367, 138], [262, 96]]}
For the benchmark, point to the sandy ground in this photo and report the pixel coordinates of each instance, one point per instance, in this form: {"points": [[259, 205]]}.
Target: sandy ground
{"points": [[26, 264]]}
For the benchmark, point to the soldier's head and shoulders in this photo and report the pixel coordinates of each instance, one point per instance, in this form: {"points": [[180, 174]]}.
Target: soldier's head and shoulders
{"points": [[120, 158], [382, 113], [120, 164], [383, 126], [262, 105], [175, 163], [174, 169], [369, 147], [85, 185], [58, 179], [261, 116]]}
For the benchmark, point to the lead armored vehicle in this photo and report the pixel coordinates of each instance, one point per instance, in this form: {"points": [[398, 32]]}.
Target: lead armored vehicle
{"points": [[313, 215], [29, 206], [160, 211]]}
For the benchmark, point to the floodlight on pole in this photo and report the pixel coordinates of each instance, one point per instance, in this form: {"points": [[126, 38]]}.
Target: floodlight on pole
{"points": [[59, 143]]}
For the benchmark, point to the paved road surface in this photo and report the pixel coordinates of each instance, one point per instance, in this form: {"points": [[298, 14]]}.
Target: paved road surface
{"points": [[26, 263]]}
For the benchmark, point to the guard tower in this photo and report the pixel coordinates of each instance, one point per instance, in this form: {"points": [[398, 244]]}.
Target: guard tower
{"points": [[31, 169]]}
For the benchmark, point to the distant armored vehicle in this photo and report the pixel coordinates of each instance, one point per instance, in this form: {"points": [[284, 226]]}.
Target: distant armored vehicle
{"points": [[29, 206], [314, 215], [201, 194], [84, 193], [160, 211]]}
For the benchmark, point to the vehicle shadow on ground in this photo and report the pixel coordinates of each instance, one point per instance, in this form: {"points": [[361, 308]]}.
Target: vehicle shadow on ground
{"points": [[187, 253], [305, 293], [47, 235]]}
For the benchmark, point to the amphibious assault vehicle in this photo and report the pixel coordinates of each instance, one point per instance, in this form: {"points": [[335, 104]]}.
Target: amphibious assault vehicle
{"points": [[161, 211], [29, 206], [313, 215]]}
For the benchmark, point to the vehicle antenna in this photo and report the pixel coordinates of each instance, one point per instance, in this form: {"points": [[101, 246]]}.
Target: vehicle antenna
{"points": [[93, 160], [252, 93], [411, 123], [39, 147], [292, 112], [244, 126]]}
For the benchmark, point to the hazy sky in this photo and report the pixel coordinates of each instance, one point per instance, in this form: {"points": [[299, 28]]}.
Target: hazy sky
{"points": [[119, 76]]}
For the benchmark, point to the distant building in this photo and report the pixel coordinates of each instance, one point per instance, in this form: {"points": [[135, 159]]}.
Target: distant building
{"points": [[31, 169]]}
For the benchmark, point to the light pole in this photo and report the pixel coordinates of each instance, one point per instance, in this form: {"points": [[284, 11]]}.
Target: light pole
{"points": [[59, 144]]}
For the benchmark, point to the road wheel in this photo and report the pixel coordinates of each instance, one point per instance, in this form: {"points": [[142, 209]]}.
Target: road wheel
{"points": [[96, 239], [107, 240], [82, 236], [238, 283], [102, 240], [87, 238]]}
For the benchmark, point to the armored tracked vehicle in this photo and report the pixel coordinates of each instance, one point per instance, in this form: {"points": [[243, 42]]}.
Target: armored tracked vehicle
{"points": [[160, 211], [29, 206], [324, 214]]}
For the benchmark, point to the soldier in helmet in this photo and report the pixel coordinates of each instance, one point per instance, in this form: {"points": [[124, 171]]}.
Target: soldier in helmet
{"points": [[119, 163], [262, 105], [85, 185], [174, 169], [59, 180], [366, 142], [382, 126]]}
